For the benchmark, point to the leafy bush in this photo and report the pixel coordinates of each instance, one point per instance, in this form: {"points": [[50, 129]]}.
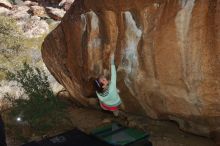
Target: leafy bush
{"points": [[39, 107]]}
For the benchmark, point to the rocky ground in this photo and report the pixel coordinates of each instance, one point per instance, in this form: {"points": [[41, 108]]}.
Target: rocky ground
{"points": [[162, 133], [34, 18]]}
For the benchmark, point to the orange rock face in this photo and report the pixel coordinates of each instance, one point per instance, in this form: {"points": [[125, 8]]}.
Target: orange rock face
{"points": [[167, 55]]}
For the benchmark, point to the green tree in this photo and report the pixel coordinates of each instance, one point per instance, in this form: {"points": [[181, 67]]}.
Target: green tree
{"points": [[39, 107]]}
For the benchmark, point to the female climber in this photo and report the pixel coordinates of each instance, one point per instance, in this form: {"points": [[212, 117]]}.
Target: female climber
{"points": [[107, 92]]}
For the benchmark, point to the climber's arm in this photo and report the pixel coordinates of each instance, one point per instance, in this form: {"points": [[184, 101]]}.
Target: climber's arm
{"points": [[113, 71]]}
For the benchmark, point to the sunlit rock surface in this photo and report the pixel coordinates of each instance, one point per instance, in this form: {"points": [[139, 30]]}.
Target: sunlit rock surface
{"points": [[167, 55]]}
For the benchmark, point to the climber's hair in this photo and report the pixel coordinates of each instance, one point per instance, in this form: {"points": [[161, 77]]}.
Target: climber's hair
{"points": [[99, 85]]}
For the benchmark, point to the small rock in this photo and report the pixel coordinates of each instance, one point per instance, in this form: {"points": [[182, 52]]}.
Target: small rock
{"points": [[5, 4], [55, 13], [37, 11]]}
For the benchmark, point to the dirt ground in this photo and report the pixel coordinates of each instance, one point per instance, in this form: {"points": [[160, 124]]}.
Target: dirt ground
{"points": [[161, 133]]}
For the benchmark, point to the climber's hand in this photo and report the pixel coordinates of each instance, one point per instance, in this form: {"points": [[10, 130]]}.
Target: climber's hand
{"points": [[112, 58]]}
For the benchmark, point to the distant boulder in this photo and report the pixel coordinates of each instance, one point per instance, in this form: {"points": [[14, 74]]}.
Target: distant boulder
{"points": [[66, 4], [37, 11], [20, 12], [35, 27], [55, 13], [5, 4]]}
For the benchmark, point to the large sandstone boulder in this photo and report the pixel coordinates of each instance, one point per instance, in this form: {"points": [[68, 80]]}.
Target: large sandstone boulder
{"points": [[167, 55]]}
